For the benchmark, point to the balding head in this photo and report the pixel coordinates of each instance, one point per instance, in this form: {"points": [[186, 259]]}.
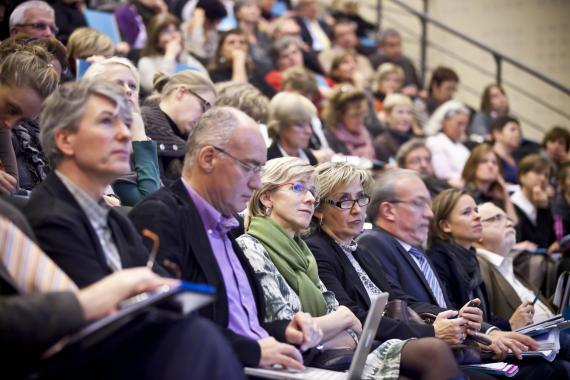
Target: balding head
{"points": [[498, 234]]}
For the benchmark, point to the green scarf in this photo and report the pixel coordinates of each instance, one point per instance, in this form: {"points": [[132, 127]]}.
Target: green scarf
{"points": [[293, 260]]}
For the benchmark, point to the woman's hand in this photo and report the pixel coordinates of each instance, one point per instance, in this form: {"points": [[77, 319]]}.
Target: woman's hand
{"points": [[503, 341], [350, 320], [173, 48], [303, 331], [539, 197], [8, 183]]}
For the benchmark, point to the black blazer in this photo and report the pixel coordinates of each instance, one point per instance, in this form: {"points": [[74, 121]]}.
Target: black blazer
{"points": [[399, 266], [542, 234], [306, 35], [171, 213], [340, 277], [274, 152], [65, 234]]}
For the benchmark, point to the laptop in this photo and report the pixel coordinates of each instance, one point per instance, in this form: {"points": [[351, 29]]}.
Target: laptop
{"points": [[358, 360]]}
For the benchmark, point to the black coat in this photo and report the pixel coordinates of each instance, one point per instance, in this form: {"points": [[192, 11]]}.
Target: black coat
{"points": [[171, 213], [274, 152], [340, 277], [542, 234], [65, 234]]}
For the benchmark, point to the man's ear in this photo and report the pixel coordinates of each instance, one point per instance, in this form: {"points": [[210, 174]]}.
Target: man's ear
{"points": [[206, 158], [64, 141], [387, 211]]}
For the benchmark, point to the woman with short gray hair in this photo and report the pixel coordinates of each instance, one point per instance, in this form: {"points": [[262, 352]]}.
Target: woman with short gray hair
{"points": [[289, 126]]}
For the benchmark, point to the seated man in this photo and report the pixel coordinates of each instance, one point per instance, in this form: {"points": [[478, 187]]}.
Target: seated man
{"points": [[193, 218], [32, 322], [86, 139], [400, 211], [510, 295]]}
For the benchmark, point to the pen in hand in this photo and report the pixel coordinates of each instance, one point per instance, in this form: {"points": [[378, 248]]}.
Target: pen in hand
{"points": [[154, 250]]}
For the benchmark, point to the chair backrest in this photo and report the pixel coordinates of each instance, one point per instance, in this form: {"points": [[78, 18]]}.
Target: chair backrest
{"points": [[562, 292]]}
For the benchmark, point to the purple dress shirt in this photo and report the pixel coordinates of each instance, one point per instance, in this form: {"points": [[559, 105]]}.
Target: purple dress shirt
{"points": [[241, 304]]}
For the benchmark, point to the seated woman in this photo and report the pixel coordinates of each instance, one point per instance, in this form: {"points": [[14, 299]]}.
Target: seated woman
{"points": [[506, 132], [344, 115], [145, 178], [388, 79], [287, 270], [532, 204], [289, 126], [484, 180], [133, 17], [449, 154], [399, 122], [249, 20], [494, 103], [170, 115], [164, 52], [85, 43], [338, 220], [232, 62]]}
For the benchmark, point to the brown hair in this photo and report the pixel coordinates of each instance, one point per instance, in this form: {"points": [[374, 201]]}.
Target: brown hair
{"points": [[300, 79], [342, 96], [442, 206], [440, 75], [156, 25], [85, 42], [218, 61], [486, 98], [469, 173], [557, 133], [533, 163]]}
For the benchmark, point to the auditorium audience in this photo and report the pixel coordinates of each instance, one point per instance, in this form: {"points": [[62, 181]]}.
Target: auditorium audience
{"points": [[249, 21], [233, 62], [561, 203], [27, 77], [343, 116], [315, 31], [556, 145], [194, 221], [532, 203], [36, 316], [448, 152], [484, 180], [289, 126], [288, 273], [344, 70], [506, 133], [169, 115], [338, 220], [164, 52], [33, 18], [494, 103], [400, 212], [87, 142], [399, 123], [144, 177], [133, 18]]}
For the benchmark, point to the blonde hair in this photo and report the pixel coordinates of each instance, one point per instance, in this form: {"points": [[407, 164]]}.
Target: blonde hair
{"points": [[287, 109], [192, 80], [85, 42], [98, 68], [332, 176], [394, 100], [383, 71], [277, 172], [245, 97]]}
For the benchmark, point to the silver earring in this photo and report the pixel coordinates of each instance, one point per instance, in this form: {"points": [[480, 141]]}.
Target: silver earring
{"points": [[267, 211], [321, 221]]}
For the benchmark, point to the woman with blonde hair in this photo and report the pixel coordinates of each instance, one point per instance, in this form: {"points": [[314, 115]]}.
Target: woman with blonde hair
{"points": [[400, 121], [287, 270], [171, 113], [344, 115], [388, 79], [86, 42], [289, 126], [164, 51], [144, 177]]}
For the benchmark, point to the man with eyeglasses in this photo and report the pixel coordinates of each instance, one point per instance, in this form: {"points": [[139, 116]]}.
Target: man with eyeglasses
{"points": [[510, 295], [195, 221], [33, 18]]}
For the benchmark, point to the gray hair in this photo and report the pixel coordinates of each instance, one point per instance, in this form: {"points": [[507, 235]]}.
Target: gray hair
{"points": [[64, 109], [384, 189], [386, 33], [216, 127], [445, 111], [245, 97], [18, 15], [99, 68], [283, 43], [287, 109], [277, 172]]}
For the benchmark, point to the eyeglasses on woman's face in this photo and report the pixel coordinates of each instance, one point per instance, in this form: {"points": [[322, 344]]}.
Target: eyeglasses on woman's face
{"points": [[347, 204], [301, 188]]}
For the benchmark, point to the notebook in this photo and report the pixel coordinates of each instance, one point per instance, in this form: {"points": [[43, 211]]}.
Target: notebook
{"points": [[358, 360], [183, 299]]}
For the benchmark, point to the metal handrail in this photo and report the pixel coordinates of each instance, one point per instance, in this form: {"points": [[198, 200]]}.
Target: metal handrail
{"points": [[497, 55]]}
